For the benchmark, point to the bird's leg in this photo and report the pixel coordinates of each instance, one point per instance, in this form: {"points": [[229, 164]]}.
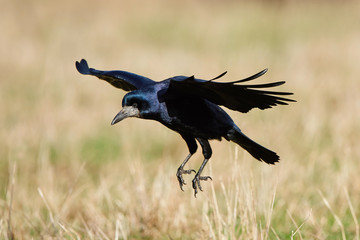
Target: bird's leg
{"points": [[191, 143], [207, 152], [198, 178], [181, 171]]}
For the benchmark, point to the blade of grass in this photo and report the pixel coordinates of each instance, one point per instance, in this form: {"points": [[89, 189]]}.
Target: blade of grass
{"points": [[337, 219], [298, 227], [353, 214], [270, 213], [10, 233]]}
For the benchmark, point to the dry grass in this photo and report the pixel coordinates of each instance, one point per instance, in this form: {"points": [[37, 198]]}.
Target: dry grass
{"points": [[66, 173]]}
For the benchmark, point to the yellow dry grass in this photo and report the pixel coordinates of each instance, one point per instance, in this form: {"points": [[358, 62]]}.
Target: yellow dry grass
{"points": [[66, 173]]}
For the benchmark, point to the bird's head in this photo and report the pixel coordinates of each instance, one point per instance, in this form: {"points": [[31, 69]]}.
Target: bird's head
{"points": [[134, 104]]}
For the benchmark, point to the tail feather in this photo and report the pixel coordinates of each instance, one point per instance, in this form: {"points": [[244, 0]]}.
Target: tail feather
{"points": [[256, 150]]}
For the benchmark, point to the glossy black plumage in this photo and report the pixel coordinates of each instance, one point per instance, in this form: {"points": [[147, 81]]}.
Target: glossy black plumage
{"points": [[189, 106]]}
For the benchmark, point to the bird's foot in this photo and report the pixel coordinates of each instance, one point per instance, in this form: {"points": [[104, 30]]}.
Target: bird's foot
{"points": [[196, 182], [179, 174]]}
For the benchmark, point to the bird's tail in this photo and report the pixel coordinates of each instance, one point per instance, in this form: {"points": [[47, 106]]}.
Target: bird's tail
{"points": [[256, 150]]}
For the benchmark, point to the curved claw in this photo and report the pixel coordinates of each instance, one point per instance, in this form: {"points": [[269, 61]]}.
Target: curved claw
{"points": [[189, 171], [196, 182], [205, 178], [179, 174]]}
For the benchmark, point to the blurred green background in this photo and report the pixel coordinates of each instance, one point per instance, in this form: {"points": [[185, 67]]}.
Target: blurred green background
{"points": [[66, 173]]}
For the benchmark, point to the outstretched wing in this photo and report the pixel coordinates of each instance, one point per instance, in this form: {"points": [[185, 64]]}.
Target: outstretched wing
{"points": [[120, 79], [234, 96]]}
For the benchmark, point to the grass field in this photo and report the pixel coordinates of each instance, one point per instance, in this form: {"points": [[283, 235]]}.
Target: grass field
{"points": [[66, 173]]}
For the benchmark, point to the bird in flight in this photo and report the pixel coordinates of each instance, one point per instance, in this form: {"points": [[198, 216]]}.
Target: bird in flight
{"points": [[190, 107]]}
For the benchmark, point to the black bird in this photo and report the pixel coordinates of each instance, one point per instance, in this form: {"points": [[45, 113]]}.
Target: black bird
{"points": [[189, 106]]}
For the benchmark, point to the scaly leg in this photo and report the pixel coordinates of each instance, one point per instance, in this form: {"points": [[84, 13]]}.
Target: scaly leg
{"points": [[181, 171], [191, 143], [207, 152], [198, 178]]}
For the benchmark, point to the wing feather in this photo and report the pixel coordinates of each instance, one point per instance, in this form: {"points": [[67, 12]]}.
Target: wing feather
{"points": [[234, 96], [120, 79]]}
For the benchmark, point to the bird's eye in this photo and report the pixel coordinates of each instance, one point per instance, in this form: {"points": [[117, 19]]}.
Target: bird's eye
{"points": [[134, 105]]}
